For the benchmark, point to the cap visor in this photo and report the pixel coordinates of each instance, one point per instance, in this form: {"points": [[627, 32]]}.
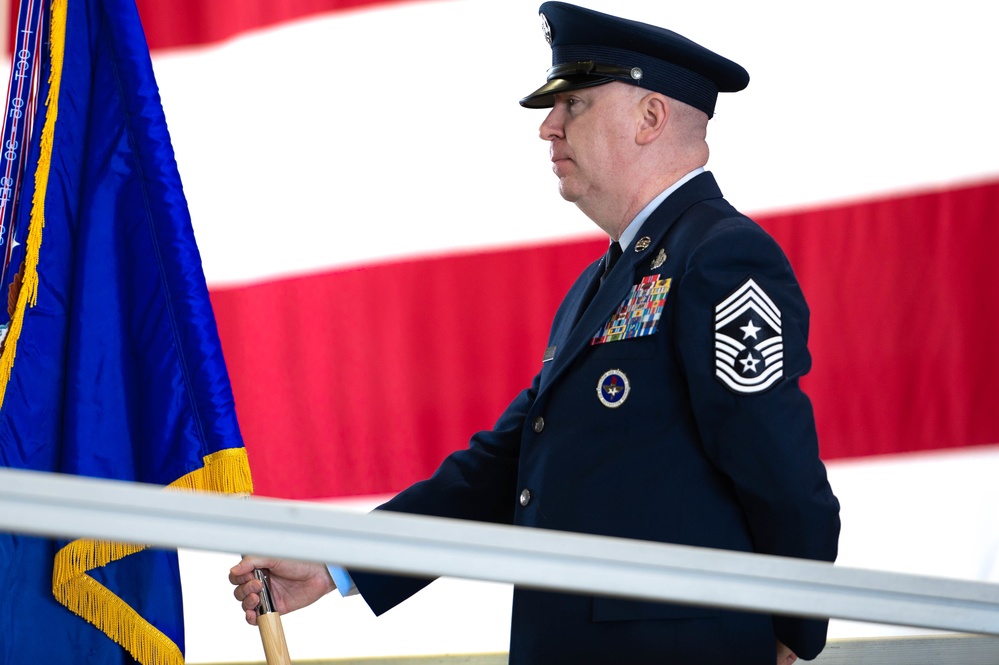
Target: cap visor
{"points": [[544, 97]]}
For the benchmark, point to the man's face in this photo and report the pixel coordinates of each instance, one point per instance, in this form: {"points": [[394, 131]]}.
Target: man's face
{"points": [[592, 136]]}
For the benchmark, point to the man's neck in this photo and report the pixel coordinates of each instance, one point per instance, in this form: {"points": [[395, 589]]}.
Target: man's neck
{"points": [[640, 206]]}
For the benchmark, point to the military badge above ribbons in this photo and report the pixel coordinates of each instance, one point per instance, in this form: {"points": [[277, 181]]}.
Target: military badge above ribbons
{"points": [[749, 346]]}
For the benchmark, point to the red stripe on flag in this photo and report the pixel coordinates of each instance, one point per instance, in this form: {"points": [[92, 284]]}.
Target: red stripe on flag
{"points": [[195, 22], [904, 294], [361, 381]]}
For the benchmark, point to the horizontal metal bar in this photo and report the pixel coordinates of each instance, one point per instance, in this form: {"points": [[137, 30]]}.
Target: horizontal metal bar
{"points": [[71, 506], [920, 650]]}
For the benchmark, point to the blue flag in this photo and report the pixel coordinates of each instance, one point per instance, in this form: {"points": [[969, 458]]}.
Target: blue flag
{"points": [[110, 364]]}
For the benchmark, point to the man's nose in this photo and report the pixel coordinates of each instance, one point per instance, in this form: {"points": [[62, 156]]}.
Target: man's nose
{"points": [[551, 128]]}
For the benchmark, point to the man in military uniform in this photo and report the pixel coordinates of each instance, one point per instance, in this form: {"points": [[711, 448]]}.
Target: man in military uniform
{"points": [[667, 406]]}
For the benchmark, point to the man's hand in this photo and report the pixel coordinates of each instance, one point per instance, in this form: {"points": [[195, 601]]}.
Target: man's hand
{"points": [[293, 584], [784, 655]]}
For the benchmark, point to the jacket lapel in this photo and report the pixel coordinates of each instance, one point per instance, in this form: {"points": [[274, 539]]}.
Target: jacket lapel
{"points": [[572, 340], [574, 307]]}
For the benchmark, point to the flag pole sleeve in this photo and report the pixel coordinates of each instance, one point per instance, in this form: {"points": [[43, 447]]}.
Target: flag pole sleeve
{"points": [[271, 630]]}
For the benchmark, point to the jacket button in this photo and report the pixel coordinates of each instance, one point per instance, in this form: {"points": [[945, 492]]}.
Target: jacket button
{"points": [[539, 424], [525, 497]]}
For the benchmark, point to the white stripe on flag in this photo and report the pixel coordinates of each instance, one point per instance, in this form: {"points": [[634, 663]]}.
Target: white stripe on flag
{"points": [[391, 132]]}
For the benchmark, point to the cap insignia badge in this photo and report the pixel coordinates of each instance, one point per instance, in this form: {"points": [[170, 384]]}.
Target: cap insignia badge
{"points": [[547, 29]]}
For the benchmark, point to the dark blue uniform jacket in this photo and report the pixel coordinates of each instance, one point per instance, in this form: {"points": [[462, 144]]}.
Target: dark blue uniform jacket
{"points": [[669, 410]]}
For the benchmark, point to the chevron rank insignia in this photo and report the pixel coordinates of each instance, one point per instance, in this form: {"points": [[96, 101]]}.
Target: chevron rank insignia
{"points": [[749, 347]]}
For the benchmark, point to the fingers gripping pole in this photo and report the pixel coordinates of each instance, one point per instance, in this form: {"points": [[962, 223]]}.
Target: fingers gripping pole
{"points": [[271, 630]]}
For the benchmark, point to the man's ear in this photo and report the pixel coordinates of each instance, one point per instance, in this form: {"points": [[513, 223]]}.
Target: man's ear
{"points": [[654, 109]]}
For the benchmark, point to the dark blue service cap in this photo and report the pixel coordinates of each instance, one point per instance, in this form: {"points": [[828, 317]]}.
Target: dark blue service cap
{"points": [[590, 48]]}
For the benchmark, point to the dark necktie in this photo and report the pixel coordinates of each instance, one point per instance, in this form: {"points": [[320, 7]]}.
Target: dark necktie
{"points": [[610, 258], [613, 254]]}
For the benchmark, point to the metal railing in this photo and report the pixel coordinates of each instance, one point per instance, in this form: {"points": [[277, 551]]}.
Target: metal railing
{"points": [[929, 650], [71, 506]]}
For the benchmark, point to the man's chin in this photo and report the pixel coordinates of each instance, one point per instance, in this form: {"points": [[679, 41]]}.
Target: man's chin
{"points": [[566, 191]]}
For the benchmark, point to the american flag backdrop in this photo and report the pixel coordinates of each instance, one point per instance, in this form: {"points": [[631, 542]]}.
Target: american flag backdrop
{"points": [[385, 247]]}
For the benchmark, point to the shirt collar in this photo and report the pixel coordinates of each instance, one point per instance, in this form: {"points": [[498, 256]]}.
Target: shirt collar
{"points": [[636, 224]]}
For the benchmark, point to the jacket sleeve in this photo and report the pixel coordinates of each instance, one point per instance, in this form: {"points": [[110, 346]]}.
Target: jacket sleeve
{"points": [[476, 483], [759, 431]]}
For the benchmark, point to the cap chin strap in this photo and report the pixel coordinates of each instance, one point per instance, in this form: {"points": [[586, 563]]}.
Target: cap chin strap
{"points": [[591, 68]]}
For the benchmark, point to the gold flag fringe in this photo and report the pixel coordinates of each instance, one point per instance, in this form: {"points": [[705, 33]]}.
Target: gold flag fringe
{"points": [[226, 471], [91, 600]]}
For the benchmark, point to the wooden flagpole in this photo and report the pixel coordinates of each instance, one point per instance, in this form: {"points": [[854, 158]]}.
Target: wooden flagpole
{"points": [[271, 630]]}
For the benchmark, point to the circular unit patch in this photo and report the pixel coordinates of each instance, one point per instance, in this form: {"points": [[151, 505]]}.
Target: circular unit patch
{"points": [[613, 388]]}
